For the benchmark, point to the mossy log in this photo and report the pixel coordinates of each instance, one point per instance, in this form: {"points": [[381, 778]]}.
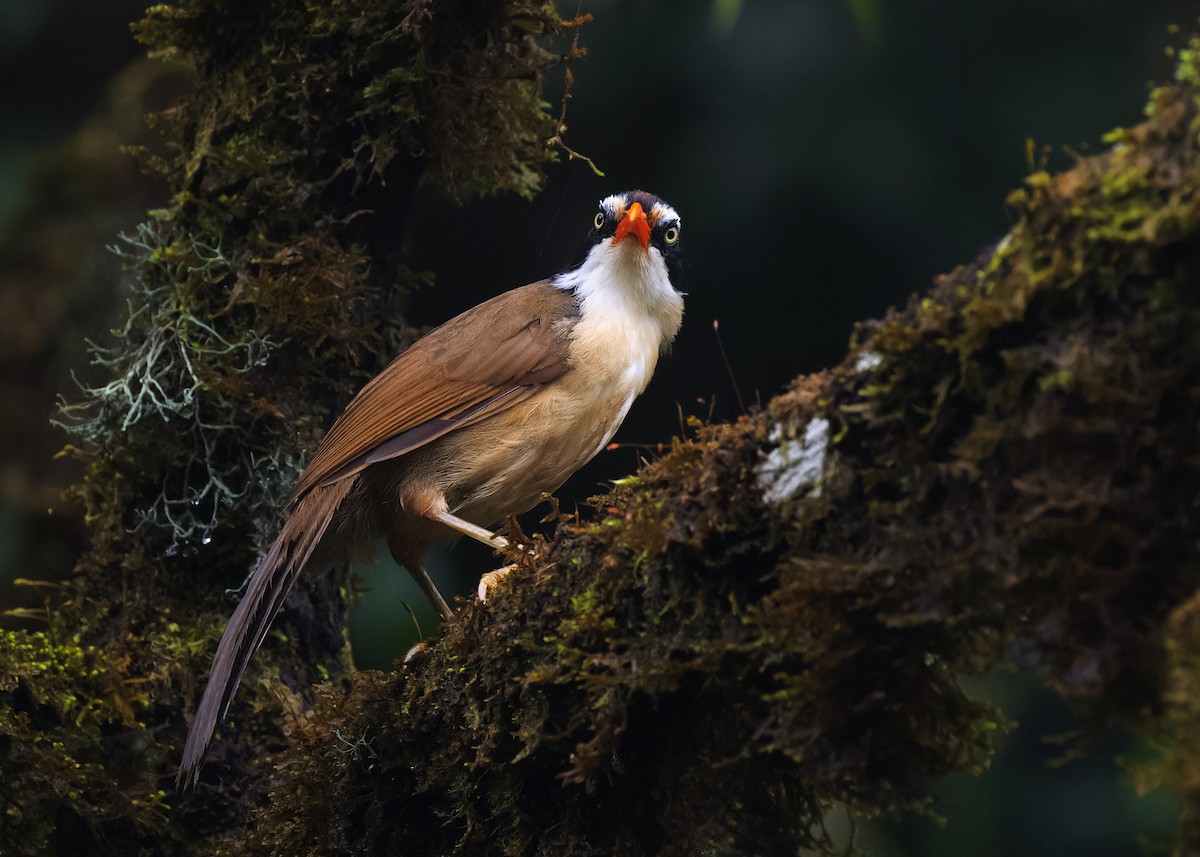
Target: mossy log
{"points": [[771, 618], [774, 616]]}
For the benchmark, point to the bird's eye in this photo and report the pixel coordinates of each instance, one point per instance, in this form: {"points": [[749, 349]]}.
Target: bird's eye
{"points": [[599, 221], [671, 235]]}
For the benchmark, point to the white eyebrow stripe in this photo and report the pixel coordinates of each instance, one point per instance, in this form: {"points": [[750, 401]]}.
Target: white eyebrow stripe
{"points": [[664, 213], [612, 205], [614, 208]]}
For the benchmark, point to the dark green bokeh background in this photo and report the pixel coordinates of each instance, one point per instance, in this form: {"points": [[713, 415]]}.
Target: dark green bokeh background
{"points": [[828, 157]]}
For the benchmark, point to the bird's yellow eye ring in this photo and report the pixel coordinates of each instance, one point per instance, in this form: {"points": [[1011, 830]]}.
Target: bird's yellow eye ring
{"points": [[599, 221], [671, 235]]}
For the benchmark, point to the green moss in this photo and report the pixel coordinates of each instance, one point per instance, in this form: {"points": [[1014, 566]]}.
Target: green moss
{"points": [[1187, 69], [61, 704], [584, 603]]}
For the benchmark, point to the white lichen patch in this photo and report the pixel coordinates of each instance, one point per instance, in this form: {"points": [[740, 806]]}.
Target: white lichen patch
{"points": [[867, 360], [794, 468]]}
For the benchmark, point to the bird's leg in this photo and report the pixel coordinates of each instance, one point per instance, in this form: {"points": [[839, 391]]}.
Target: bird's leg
{"points": [[480, 534], [421, 576], [496, 542], [409, 554]]}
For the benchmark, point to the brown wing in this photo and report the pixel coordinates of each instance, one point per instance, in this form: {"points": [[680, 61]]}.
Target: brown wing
{"points": [[475, 365]]}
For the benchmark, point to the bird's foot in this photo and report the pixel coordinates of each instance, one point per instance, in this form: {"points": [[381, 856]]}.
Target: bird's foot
{"points": [[490, 580], [412, 653]]}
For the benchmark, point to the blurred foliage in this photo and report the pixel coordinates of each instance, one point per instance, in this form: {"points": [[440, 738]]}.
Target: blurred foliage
{"points": [[58, 282]]}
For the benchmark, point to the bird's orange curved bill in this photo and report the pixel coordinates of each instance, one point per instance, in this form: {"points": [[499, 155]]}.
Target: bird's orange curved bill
{"points": [[634, 223]]}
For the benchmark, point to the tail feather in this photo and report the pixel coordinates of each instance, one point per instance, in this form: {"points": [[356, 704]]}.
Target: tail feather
{"points": [[270, 584]]}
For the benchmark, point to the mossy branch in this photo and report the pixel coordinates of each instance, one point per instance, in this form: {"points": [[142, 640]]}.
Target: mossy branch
{"points": [[774, 616]]}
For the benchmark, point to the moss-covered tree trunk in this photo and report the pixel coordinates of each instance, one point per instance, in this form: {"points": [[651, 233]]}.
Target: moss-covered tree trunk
{"points": [[771, 618], [262, 295]]}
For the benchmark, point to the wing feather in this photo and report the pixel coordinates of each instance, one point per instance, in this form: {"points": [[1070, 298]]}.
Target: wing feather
{"points": [[473, 366]]}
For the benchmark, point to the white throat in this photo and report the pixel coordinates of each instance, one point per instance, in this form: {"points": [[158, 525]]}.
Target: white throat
{"points": [[625, 294]]}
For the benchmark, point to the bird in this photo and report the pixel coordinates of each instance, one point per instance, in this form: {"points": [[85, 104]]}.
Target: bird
{"points": [[477, 420]]}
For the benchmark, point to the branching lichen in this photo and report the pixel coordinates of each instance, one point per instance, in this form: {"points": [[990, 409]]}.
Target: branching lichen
{"points": [[158, 363]]}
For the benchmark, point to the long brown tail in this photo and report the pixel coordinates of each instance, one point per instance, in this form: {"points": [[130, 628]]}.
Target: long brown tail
{"points": [[274, 578]]}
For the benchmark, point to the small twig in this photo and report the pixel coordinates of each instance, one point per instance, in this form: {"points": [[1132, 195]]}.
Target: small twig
{"points": [[560, 127], [728, 367], [655, 447], [416, 621]]}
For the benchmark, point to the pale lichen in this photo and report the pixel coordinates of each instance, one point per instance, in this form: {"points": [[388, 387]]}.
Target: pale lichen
{"points": [[794, 466]]}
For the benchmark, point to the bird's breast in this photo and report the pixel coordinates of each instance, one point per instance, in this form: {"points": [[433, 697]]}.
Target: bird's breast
{"points": [[504, 464]]}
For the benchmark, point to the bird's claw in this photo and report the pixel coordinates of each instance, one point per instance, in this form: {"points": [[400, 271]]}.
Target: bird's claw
{"points": [[490, 580], [412, 653]]}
